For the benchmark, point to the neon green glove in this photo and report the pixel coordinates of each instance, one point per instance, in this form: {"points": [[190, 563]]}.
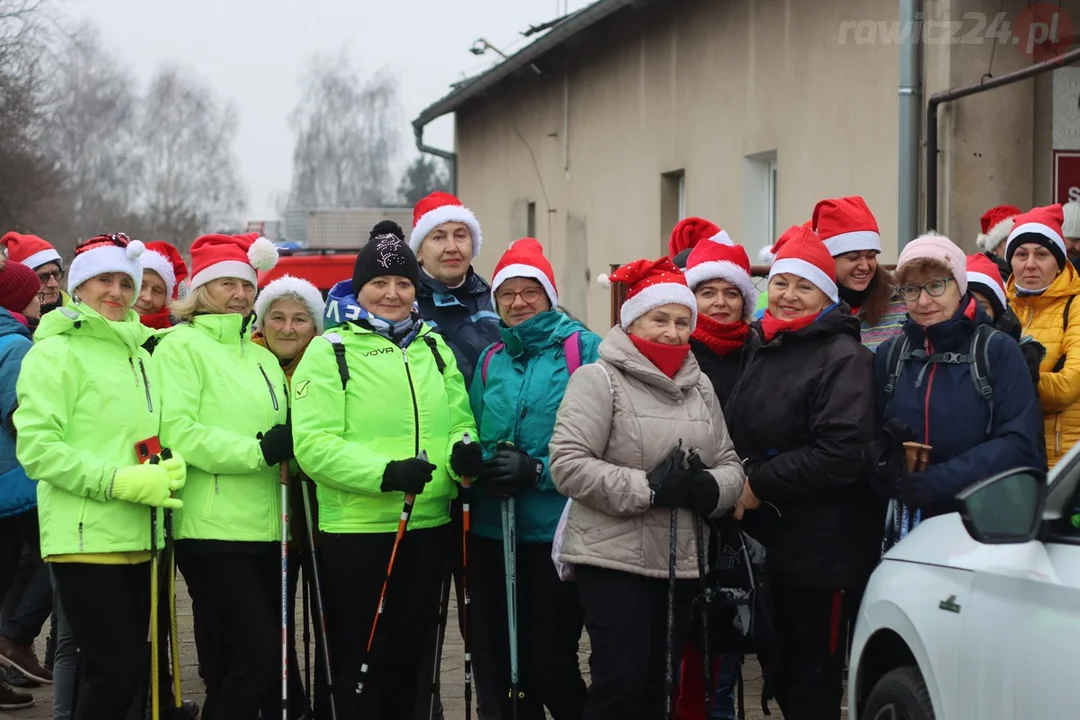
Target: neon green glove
{"points": [[144, 484], [177, 470]]}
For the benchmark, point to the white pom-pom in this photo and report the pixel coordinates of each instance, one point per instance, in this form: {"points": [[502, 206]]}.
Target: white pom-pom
{"points": [[723, 238], [603, 280], [262, 254], [765, 255], [135, 249]]}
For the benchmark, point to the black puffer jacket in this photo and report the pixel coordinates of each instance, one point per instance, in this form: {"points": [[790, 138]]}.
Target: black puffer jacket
{"points": [[800, 417], [463, 315], [722, 370]]}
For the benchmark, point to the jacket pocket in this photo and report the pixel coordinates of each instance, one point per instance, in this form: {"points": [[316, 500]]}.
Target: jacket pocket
{"points": [[214, 489]]}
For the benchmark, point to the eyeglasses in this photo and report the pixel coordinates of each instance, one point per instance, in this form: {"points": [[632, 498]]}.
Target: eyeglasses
{"points": [[44, 277], [529, 295], [934, 288]]}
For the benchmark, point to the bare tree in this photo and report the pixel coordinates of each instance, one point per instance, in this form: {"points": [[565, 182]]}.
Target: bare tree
{"points": [[188, 171], [348, 136], [423, 176]]}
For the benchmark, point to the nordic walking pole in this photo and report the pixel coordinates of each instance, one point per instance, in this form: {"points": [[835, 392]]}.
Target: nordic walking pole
{"points": [[320, 608], [699, 536], [509, 528], [669, 687], [403, 523], [307, 632], [284, 477], [174, 635], [155, 672], [466, 523]]}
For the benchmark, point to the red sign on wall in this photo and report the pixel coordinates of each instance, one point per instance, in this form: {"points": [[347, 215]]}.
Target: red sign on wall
{"points": [[1066, 175]]}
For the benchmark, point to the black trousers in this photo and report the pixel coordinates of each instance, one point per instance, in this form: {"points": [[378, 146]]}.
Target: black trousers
{"points": [[626, 616], [353, 571], [813, 625], [549, 626], [108, 608], [18, 533], [238, 592]]}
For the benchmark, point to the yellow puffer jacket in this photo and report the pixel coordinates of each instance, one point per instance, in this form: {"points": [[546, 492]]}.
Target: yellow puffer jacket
{"points": [[1043, 318]]}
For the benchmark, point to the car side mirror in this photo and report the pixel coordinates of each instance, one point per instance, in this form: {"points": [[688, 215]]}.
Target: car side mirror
{"points": [[1005, 509]]}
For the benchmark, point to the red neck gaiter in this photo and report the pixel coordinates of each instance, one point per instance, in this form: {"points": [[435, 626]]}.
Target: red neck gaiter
{"points": [[159, 320], [771, 326], [667, 358], [722, 338]]}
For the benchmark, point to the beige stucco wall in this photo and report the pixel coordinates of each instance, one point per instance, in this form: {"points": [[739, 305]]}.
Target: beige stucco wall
{"points": [[699, 85]]}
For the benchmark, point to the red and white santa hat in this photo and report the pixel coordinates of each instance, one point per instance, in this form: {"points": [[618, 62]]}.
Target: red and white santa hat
{"points": [[996, 223], [239, 256], [846, 225], [1041, 226], [651, 283], [718, 258], [983, 276], [688, 232], [164, 259], [30, 250], [436, 209], [116, 253], [525, 259], [768, 253], [800, 252]]}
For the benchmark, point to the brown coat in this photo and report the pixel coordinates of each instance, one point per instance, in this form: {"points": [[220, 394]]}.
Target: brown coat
{"points": [[620, 418]]}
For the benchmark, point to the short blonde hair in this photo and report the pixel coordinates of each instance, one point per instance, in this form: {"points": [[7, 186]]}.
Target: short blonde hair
{"points": [[197, 301]]}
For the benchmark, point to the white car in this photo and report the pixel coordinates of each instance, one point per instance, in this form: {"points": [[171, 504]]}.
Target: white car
{"points": [[976, 614]]}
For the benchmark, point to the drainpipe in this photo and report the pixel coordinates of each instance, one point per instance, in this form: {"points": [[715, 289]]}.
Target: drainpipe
{"points": [[1067, 58], [910, 117], [449, 157]]}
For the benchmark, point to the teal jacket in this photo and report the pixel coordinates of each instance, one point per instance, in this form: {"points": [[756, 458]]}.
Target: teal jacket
{"points": [[526, 380]]}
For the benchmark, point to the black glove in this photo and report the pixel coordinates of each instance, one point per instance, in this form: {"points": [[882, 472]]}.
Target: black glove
{"points": [[407, 476], [509, 472], [884, 458], [276, 444], [467, 459], [705, 494], [672, 481]]}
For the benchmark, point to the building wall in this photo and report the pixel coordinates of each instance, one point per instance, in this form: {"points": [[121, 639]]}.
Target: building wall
{"points": [[706, 87]]}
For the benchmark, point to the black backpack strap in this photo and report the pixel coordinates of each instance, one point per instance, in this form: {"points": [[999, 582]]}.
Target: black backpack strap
{"points": [[899, 352], [434, 347], [339, 355], [981, 371]]}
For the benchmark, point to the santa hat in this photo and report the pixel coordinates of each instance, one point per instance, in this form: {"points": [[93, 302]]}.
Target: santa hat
{"points": [[107, 254], [436, 209], [289, 285], [768, 253], [30, 250], [650, 284], [164, 259], [800, 252], [996, 223], [688, 232], [983, 276], [1070, 226], [718, 258], [239, 256], [1041, 226], [525, 259], [846, 225]]}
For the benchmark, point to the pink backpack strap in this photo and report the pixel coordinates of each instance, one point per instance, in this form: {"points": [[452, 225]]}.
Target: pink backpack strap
{"points": [[572, 351], [487, 359]]}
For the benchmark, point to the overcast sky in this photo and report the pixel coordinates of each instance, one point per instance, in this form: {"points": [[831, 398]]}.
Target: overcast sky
{"points": [[253, 51]]}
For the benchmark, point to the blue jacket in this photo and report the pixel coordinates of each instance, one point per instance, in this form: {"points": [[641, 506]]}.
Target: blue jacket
{"points": [[463, 316], [18, 493], [946, 411], [526, 381]]}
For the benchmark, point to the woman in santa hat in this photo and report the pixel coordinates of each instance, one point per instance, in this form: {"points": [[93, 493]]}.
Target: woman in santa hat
{"points": [[640, 438], [163, 271], [800, 417], [88, 397], [1042, 291], [515, 393], [41, 257], [850, 232], [225, 408], [996, 224]]}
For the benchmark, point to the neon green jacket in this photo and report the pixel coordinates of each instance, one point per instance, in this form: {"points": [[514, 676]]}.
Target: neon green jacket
{"points": [[87, 392], [220, 390], [395, 404]]}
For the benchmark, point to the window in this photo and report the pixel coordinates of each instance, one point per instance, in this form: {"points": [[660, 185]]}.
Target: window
{"points": [[530, 221], [760, 196], [672, 204]]}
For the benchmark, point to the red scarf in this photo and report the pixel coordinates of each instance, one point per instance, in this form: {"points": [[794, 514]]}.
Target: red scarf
{"points": [[771, 326], [159, 320], [667, 358], [722, 338]]}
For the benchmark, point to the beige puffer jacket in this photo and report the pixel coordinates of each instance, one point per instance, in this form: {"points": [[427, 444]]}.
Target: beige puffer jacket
{"points": [[619, 418]]}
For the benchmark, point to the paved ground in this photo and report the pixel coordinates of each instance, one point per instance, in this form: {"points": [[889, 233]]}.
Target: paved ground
{"points": [[452, 673]]}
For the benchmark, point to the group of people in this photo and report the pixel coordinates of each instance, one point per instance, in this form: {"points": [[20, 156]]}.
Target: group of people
{"points": [[422, 429]]}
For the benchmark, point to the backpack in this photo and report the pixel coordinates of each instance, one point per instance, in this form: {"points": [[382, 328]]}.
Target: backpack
{"points": [[978, 357], [571, 352], [343, 368]]}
